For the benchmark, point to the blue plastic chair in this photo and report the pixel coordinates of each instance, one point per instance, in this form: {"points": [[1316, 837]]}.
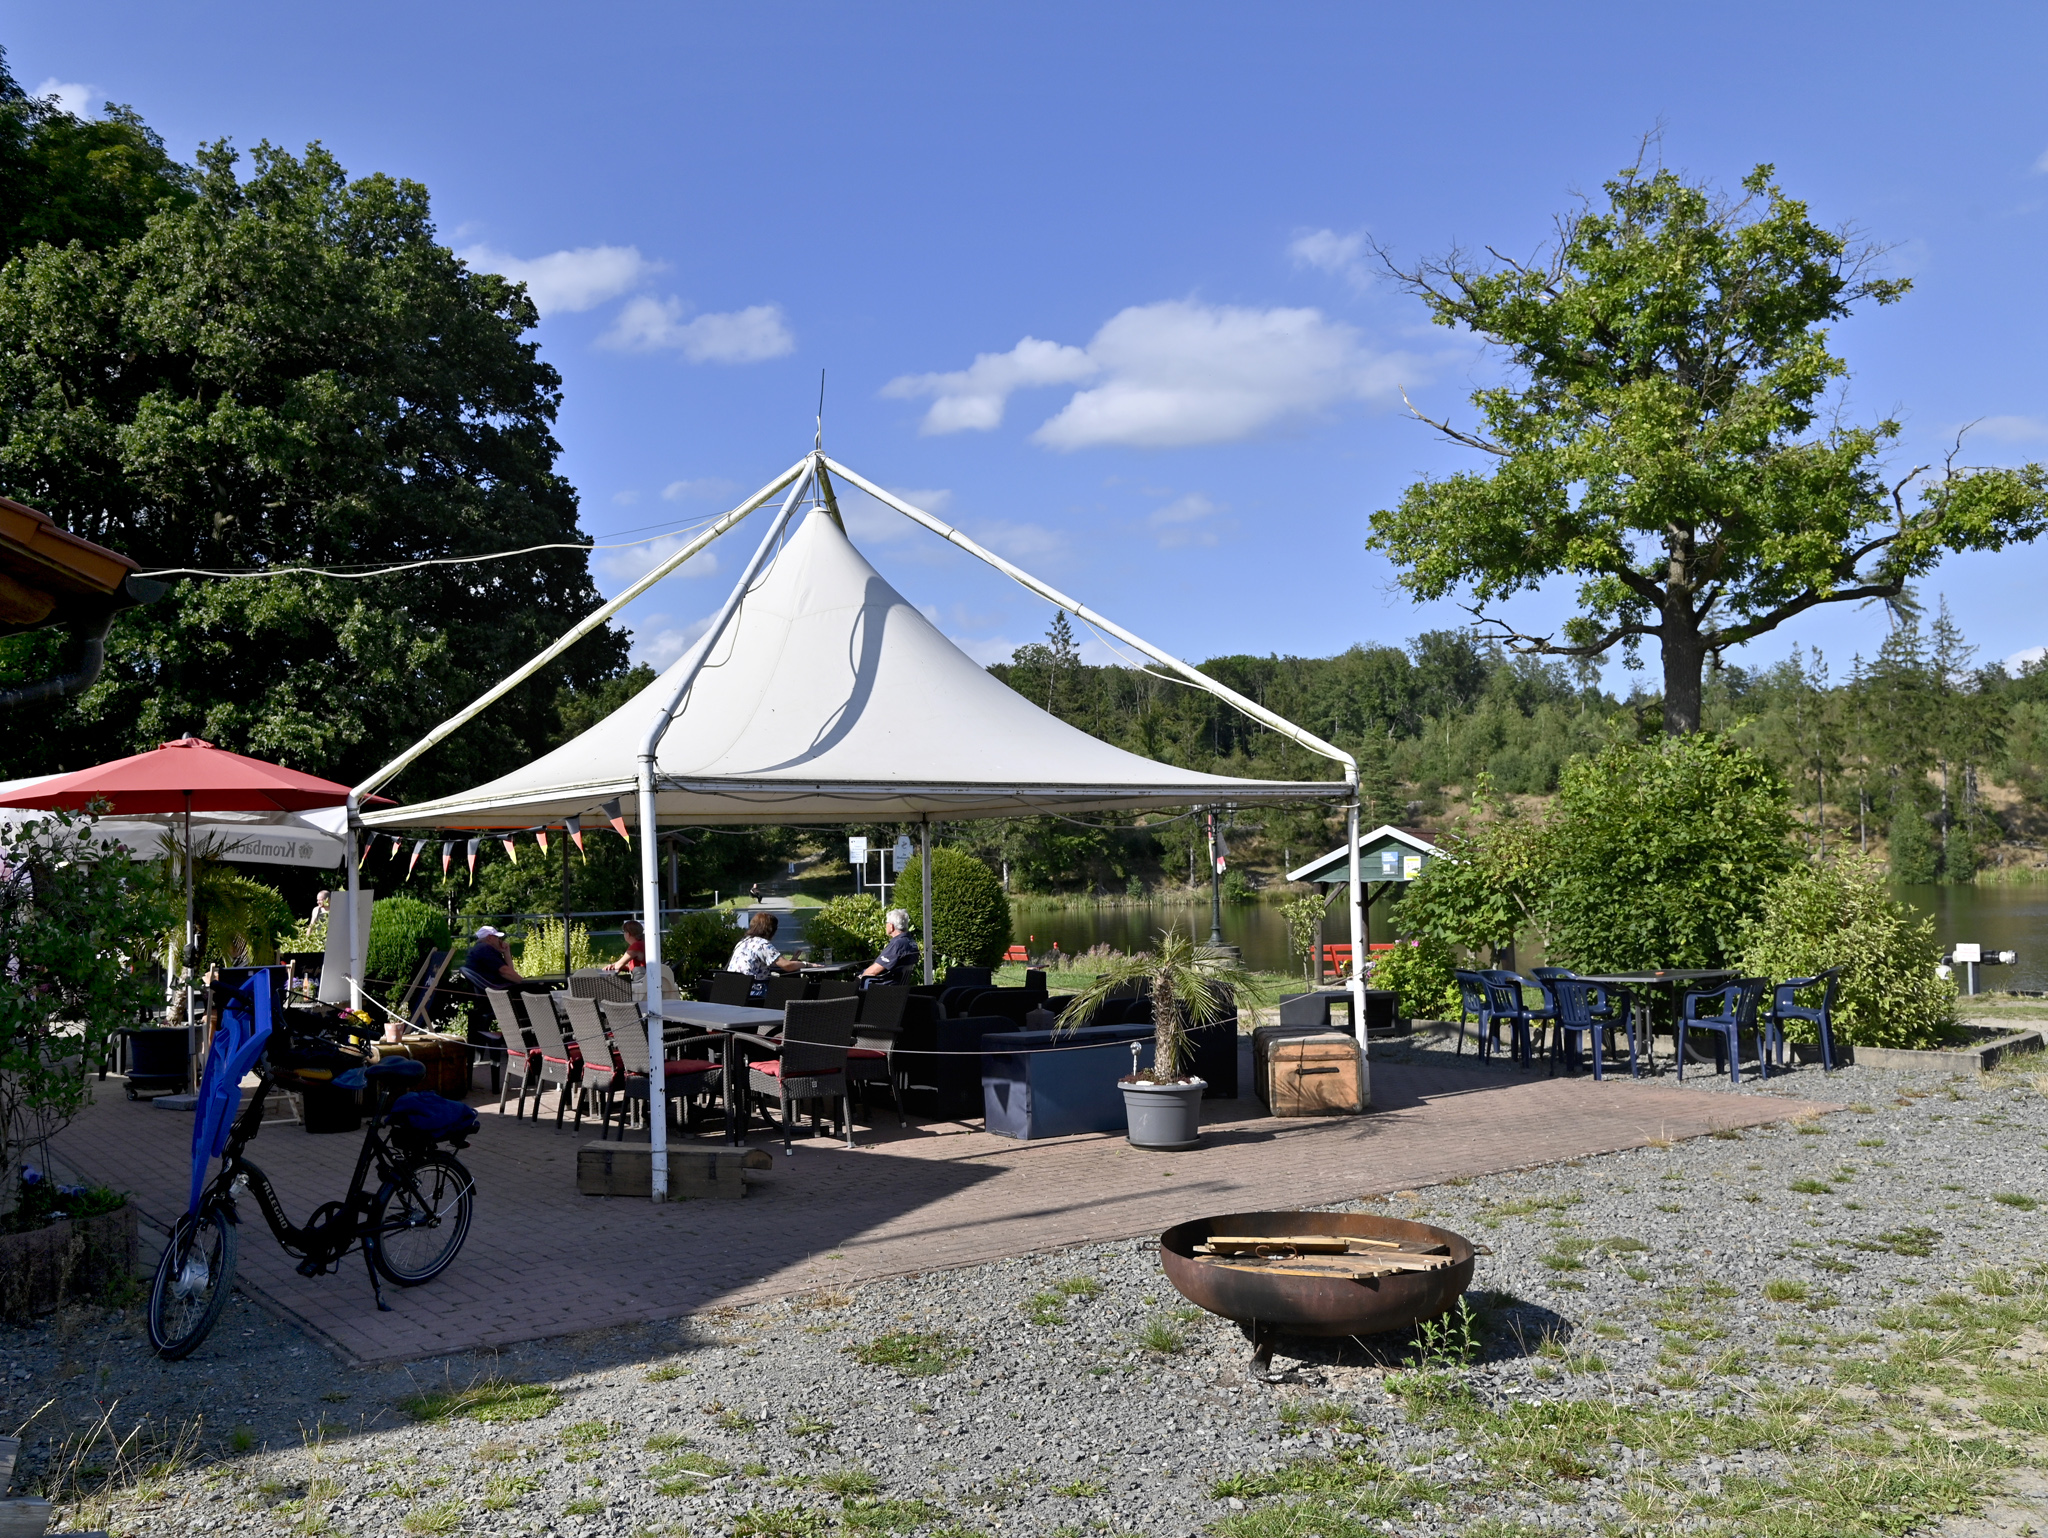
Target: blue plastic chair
{"points": [[1471, 1002], [1584, 1007], [1504, 1002], [1737, 1005], [1785, 1006]]}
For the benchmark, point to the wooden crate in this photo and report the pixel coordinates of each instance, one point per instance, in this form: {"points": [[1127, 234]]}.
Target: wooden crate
{"points": [[447, 1063], [1315, 1075], [627, 1169], [1263, 1038]]}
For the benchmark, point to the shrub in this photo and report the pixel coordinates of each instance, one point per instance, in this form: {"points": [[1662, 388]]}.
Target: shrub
{"points": [[849, 928], [540, 954], [970, 913], [402, 931], [1420, 973], [1841, 914], [698, 943]]}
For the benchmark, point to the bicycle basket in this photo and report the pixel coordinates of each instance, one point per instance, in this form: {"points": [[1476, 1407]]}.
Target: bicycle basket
{"points": [[422, 1117]]}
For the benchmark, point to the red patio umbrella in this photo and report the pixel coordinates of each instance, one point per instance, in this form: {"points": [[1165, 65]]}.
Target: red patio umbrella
{"points": [[186, 776]]}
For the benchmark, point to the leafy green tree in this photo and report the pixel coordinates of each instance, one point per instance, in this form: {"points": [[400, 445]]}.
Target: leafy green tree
{"points": [[79, 932], [970, 914], [1488, 889], [848, 928], [1662, 435], [1420, 975], [1841, 914], [1655, 854], [66, 178], [291, 369]]}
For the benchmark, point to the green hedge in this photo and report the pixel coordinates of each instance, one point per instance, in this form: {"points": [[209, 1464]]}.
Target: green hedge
{"points": [[970, 911], [847, 929], [402, 931], [698, 943]]}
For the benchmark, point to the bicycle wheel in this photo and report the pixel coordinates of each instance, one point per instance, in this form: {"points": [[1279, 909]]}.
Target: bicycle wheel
{"points": [[421, 1218], [192, 1283]]}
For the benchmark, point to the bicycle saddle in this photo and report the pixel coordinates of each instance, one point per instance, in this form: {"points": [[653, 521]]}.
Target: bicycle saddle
{"points": [[390, 1068]]}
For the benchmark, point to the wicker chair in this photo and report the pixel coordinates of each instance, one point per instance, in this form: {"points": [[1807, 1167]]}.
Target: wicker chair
{"points": [[872, 1058], [683, 1077], [522, 1058], [784, 988], [816, 1035], [599, 1070], [731, 988], [601, 983]]}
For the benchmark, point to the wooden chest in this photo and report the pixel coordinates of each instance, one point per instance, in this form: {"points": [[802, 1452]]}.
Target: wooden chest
{"points": [[447, 1063], [626, 1169], [1314, 1074], [1263, 1037]]}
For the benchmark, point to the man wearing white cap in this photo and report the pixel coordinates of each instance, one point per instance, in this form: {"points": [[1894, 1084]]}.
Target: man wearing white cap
{"points": [[491, 959]]}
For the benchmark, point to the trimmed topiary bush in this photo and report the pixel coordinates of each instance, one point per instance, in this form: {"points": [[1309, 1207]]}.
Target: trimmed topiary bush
{"points": [[402, 931], [698, 943], [970, 911], [1843, 914], [848, 928]]}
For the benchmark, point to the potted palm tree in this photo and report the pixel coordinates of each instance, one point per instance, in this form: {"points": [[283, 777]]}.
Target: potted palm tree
{"points": [[1189, 988]]}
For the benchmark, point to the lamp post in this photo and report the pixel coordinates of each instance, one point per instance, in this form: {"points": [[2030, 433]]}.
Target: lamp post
{"points": [[1215, 890]]}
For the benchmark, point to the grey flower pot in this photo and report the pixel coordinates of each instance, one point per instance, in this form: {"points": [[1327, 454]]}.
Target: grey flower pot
{"points": [[1163, 1116]]}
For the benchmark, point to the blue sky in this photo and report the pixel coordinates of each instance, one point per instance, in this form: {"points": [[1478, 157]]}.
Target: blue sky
{"points": [[1091, 278]]}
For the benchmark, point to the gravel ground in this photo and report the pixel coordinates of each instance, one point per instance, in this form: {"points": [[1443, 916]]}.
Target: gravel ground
{"points": [[1828, 1327]]}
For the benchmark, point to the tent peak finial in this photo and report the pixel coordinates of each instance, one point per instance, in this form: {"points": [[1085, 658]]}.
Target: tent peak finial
{"points": [[818, 441]]}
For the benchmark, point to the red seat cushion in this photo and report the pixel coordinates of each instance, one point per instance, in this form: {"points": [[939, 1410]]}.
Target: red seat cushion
{"points": [[866, 1052], [683, 1065]]}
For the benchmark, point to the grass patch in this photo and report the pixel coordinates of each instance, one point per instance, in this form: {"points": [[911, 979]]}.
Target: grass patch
{"points": [[687, 1473], [1810, 1187], [1044, 1308], [1163, 1336], [913, 1354], [2015, 1199], [583, 1433], [888, 1516], [809, 1426], [490, 1400], [760, 1522], [1079, 1287], [846, 1482], [667, 1372], [1082, 1489], [437, 1519], [1783, 1290], [1915, 1240], [587, 1506], [665, 1441], [503, 1490]]}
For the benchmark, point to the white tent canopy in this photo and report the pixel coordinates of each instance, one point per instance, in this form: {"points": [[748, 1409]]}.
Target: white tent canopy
{"points": [[820, 695], [830, 698]]}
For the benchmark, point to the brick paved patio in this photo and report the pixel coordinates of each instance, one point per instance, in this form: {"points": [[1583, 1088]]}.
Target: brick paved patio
{"points": [[544, 1261]]}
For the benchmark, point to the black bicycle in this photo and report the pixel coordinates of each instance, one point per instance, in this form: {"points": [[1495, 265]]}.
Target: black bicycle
{"points": [[410, 1226]]}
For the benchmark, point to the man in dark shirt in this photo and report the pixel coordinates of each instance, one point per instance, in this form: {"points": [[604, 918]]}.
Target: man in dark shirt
{"points": [[899, 958], [491, 959]]}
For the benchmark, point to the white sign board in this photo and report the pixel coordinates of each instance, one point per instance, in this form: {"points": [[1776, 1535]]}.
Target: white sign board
{"points": [[857, 850], [904, 853], [1968, 953]]}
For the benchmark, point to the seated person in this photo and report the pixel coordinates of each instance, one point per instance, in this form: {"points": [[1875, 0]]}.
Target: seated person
{"points": [[756, 954], [491, 959], [635, 959], [899, 958]]}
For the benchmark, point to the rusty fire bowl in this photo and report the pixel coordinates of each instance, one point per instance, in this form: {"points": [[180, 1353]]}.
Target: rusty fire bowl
{"points": [[1315, 1305]]}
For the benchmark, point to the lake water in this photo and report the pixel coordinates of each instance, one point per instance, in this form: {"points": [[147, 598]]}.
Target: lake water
{"points": [[1999, 918]]}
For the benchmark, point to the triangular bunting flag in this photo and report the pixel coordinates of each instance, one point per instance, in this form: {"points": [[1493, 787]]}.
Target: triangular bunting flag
{"points": [[447, 850], [472, 857], [511, 850], [618, 821], [574, 825], [540, 836], [418, 845]]}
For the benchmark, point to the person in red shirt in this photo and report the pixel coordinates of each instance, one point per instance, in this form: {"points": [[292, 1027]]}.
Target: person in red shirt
{"points": [[635, 959]]}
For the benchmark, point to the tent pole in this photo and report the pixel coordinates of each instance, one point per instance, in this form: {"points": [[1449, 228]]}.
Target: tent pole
{"points": [[355, 887], [924, 882], [947, 532], [650, 858], [191, 945], [1357, 906], [578, 631]]}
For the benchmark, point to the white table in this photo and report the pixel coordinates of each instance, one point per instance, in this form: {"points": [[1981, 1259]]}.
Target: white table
{"points": [[723, 1020]]}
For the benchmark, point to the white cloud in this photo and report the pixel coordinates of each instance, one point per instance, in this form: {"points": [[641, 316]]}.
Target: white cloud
{"points": [[662, 647], [2013, 429], [626, 498], [1192, 520], [709, 487], [972, 399], [629, 563], [2016, 664], [1181, 373], [2041, 164], [737, 336], [73, 97], [1020, 541], [574, 280], [1171, 374], [869, 522], [1327, 251]]}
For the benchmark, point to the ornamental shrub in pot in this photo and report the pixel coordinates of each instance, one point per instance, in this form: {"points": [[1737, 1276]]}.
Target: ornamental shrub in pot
{"points": [[1189, 989]]}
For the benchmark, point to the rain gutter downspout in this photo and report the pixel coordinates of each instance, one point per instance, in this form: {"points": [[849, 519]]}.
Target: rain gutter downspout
{"points": [[650, 859]]}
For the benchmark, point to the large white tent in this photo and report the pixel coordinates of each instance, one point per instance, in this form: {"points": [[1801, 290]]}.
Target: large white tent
{"points": [[820, 695], [830, 698]]}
